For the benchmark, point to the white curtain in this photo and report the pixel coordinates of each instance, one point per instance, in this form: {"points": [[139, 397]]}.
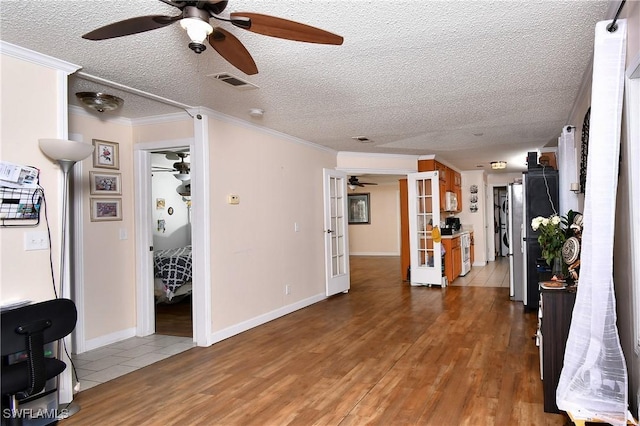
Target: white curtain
{"points": [[593, 383], [567, 169]]}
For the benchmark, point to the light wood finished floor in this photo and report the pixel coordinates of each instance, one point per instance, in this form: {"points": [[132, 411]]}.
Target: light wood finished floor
{"points": [[383, 354]]}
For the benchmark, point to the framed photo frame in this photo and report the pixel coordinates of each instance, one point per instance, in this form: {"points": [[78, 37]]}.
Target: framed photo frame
{"points": [[359, 209], [105, 209], [106, 155], [105, 183]]}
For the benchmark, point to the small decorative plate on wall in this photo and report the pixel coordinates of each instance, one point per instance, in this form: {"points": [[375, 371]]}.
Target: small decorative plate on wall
{"points": [[473, 189]]}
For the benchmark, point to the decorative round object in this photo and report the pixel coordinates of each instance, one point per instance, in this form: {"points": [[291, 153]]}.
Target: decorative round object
{"points": [[474, 198], [473, 189], [571, 250]]}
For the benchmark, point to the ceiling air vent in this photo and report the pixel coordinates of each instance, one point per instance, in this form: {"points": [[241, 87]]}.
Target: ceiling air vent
{"points": [[361, 139], [233, 81]]}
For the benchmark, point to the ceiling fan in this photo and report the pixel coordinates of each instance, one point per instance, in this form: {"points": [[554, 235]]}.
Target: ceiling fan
{"points": [[182, 167], [195, 19], [354, 182]]}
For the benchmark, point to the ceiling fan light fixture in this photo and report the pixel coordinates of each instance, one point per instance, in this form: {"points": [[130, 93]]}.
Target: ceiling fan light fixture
{"points": [[182, 176], [498, 165], [196, 22], [100, 102]]}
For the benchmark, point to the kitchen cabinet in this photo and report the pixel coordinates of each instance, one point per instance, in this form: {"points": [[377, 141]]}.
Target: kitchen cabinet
{"points": [[457, 189], [556, 310], [450, 180], [452, 257]]}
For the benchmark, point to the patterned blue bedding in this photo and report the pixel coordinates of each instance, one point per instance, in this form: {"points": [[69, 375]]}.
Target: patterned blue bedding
{"points": [[173, 266]]}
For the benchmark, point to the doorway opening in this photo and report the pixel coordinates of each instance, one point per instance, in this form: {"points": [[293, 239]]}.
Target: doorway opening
{"points": [[172, 241], [501, 221]]}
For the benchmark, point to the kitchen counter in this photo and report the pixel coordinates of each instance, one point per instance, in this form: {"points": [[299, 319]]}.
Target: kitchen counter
{"points": [[457, 234]]}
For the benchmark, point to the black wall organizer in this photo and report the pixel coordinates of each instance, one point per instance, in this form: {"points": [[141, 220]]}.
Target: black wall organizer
{"points": [[20, 207]]}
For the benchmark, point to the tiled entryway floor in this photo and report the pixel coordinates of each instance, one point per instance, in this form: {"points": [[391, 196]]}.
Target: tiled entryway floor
{"points": [[115, 360]]}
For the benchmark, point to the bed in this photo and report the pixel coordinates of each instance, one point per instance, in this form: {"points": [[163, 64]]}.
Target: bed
{"points": [[172, 271]]}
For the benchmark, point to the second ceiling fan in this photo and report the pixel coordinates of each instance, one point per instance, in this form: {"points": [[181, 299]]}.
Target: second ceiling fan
{"points": [[195, 18], [353, 182]]}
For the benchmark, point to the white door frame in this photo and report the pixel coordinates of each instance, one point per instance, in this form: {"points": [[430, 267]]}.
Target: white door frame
{"points": [[201, 305]]}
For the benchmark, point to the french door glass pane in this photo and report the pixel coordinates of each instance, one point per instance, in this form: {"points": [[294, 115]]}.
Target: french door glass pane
{"points": [[424, 220]]}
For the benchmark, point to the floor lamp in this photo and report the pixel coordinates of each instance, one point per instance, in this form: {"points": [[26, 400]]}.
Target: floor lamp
{"points": [[67, 153]]}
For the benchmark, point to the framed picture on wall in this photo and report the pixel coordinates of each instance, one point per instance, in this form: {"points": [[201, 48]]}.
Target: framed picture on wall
{"points": [[103, 209], [359, 209], [104, 183], [105, 155]]}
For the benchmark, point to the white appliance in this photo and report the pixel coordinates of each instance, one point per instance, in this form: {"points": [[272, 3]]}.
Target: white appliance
{"points": [[450, 201], [516, 235], [465, 250]]}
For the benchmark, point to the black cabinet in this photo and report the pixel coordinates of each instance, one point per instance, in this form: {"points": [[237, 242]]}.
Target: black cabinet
{"points": [[540, 195], [557, 308]]}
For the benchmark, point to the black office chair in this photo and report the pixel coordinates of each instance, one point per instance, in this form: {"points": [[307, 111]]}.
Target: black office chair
{"points": [[26, 330]]}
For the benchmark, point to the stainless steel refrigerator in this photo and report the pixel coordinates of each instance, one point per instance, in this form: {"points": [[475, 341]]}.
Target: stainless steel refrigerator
{"points": [[516, 235], [540, 198]]}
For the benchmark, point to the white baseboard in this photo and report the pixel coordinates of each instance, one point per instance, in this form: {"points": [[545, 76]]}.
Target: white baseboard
{"points": [[108, 339], [218, 336], [373, 253]]}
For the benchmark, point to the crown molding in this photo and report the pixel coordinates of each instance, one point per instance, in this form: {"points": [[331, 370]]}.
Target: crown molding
{"points": [[346, 154], [24, 54], [76, 110], [160, 119]]}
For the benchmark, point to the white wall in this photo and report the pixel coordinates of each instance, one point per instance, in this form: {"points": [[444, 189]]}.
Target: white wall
{"points": [[108, 258], [255, 250], [29, 86], [476, 221], [177, 226], [382, 236]]}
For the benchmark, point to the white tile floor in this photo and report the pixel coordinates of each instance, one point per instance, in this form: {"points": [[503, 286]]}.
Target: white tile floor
{"points": [[106, 363]]}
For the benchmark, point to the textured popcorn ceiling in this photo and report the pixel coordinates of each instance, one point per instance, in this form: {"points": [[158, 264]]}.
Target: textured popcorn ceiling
{"points": [[469, 81]]}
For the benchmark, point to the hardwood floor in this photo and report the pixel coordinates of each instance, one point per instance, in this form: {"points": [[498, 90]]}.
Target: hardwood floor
{"points": [[383, 354], [174, 319]]}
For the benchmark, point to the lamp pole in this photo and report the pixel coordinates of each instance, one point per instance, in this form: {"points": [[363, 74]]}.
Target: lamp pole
{"points": [[66, 153]]}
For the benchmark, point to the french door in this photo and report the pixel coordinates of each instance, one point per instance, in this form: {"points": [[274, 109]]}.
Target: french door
{"points": [[424, 217], [336, 236]]}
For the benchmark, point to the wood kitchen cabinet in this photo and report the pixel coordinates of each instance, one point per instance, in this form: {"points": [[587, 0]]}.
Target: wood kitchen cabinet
{"points": [[450, 180], [457, 188], [452, 257]]}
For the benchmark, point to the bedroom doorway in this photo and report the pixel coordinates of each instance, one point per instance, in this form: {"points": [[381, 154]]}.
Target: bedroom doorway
{"points": [[172, 237]]}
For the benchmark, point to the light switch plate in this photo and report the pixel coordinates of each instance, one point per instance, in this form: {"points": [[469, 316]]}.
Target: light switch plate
{"points": [[36, 240]]}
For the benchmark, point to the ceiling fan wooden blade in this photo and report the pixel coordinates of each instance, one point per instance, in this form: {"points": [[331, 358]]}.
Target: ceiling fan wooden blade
{"points": [[231, 49], [283, 28], [131, 26]]}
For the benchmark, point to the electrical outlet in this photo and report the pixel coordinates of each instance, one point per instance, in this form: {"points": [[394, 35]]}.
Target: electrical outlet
{"points": [[36, 240], [233, 199]]}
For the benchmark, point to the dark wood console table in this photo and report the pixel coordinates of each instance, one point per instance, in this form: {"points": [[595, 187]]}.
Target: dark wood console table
{"points": [[557, 308]]}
